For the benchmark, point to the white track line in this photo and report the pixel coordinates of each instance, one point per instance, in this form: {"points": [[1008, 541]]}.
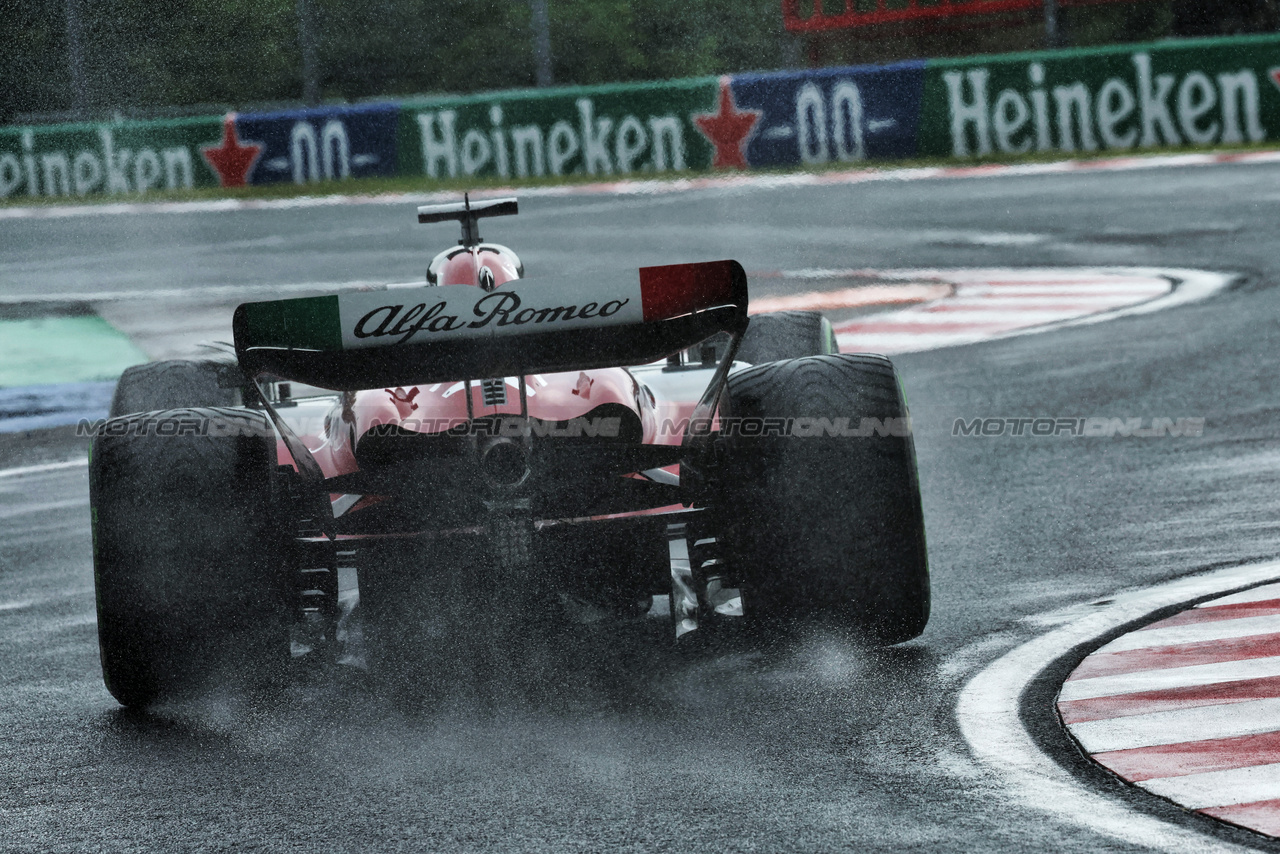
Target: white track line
{"points": [[1193, 286], [1195, 633], [1219, 788], [1178, 726], [989, 714], [663, 187], [1169, 677], [44, 467], [996, 303], [1258, 594]]}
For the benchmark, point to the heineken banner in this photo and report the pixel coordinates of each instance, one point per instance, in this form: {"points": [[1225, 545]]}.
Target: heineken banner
{"points": [[1203, 92], [127, 157], [325, 144], [598, 130], [1115, 99], [831, 115]]}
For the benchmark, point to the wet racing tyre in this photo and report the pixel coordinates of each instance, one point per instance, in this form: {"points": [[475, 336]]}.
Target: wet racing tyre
{"points": [[782, 335], [189, 555], [173, 384], [825, 528]]}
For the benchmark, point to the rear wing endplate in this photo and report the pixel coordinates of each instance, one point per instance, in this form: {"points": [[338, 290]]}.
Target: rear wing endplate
{"points": [[399, 337]]}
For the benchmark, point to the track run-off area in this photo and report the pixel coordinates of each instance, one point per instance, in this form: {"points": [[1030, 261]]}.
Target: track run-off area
{"points": [[1043, 547]]}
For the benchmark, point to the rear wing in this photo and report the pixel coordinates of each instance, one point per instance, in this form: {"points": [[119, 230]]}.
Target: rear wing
{"points": [[468, 214], [412, 336]]}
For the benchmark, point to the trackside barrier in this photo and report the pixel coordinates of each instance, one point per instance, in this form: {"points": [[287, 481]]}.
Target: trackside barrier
{"points": [[831, 115], [1161, 95], [124, 157], [323, 144], [1165, 95], [591, 130]]}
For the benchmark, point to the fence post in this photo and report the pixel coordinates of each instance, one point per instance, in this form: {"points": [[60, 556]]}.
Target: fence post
{"points": [[1052, 28], [307, 42], [75, 57], [542, 42]]}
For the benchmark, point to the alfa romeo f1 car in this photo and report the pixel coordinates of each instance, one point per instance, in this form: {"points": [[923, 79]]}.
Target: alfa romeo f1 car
{"points": [[487, 446]]}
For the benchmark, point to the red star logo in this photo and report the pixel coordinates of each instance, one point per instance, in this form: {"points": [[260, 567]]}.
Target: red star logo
{"points": [[728, 130], [1275, 76], [231, 160]]}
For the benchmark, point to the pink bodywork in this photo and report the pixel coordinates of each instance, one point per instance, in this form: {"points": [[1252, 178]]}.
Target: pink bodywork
{"points": [[438, 407], [463, 268]]}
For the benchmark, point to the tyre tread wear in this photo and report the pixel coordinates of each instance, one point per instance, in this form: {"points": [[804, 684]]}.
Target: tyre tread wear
{"points": [[188, 551], [172, 384], [828, 527], [778, 335]]}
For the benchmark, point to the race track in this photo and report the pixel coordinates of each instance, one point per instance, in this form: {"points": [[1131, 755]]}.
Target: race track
{"points": [[815, 745]]}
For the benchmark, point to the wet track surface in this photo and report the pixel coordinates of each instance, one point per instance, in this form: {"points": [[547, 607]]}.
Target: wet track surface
{"points": [[811, 745]]}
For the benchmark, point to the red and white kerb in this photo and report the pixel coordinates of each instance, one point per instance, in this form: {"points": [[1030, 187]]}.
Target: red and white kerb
{"points": [[1189, 708]]}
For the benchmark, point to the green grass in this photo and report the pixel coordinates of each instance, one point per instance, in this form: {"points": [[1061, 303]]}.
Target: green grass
{"points": [[46, 350]]}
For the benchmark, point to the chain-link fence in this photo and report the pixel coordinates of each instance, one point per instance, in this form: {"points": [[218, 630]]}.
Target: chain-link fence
{"points": [[66, 59]]}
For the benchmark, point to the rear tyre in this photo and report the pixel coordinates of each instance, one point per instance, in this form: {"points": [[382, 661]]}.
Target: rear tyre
{"points": [[173, 384], [826, 527], [780, 335], [189, 552]]}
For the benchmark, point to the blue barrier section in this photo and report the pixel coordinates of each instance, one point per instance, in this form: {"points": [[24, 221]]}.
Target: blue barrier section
{"points": [[322, 144], [38, 407], [832, 115]]}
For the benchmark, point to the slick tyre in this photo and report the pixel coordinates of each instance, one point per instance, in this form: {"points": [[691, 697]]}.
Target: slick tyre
{"points": [[826, 528], [782, 335], [188, 553], [173, 384]]}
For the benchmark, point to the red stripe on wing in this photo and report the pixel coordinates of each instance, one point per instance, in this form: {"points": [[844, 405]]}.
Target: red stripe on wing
{"points": [[680, 289]]}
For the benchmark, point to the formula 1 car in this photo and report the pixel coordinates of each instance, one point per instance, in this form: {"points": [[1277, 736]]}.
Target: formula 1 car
{"points": [[487, 446]]}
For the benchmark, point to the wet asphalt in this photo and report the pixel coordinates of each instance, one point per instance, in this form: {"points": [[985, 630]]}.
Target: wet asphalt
{"points": [[809, 743]]}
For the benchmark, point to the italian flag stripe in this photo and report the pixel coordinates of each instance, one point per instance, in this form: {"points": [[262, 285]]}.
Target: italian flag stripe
{"points": [[308, 323], [678, 289]]}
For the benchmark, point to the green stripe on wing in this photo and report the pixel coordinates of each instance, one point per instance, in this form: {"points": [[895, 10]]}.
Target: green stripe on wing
{"points": [[309, 323]]}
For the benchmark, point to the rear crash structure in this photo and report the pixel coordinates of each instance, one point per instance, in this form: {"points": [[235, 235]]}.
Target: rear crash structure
{"points": [[485, 449]]}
